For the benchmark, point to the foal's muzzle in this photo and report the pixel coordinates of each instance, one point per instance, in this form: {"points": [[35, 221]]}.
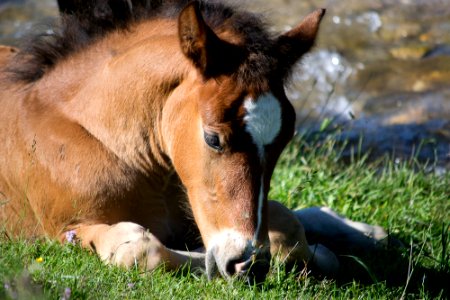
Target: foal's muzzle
{"points": [[236, 257]]}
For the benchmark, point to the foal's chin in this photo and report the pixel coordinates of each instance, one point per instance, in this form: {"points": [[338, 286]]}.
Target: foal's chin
{"points": [[232, 256]]}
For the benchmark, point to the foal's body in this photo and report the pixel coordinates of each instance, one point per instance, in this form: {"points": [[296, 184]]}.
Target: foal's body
{"points": [[118, 174], [107, 144], [115, 164]]}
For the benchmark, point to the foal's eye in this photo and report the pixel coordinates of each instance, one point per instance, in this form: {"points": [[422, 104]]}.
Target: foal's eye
{"points": [[213, 141]]}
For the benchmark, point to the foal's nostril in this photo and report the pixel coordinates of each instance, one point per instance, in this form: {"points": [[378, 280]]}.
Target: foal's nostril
{"points": [[239, 266], [243, 267], [230, 267], [252, 269]]}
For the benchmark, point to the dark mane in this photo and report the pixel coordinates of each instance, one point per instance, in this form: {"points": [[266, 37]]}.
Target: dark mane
{"points": [[83, 22]]}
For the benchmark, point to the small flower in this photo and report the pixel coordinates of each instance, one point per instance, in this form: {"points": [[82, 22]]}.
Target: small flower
{"points": [[71, 236], [130, 285], [67, 293], [39, 259]]}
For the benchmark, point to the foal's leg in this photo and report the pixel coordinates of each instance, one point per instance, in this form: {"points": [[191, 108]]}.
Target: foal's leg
{"points": [[129, 244], [329, 233], [323, 225], [288, 242]]}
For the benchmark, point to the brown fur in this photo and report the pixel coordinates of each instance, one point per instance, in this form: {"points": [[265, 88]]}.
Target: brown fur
{"points": [[103, 129]]}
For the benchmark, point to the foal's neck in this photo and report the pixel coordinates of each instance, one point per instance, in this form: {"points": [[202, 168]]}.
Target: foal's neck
{"points": [[116, 89]]}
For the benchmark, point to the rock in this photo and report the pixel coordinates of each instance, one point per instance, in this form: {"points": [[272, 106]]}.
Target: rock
{"points": [[408, 52], [438, 50]]}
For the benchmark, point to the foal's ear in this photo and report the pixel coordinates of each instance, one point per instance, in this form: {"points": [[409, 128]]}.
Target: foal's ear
{"points": [[210, 55], [291, 45]]}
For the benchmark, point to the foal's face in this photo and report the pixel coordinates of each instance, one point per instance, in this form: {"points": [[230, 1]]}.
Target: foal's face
{"points": [[237, 136], [232, 140], [227, 139]]}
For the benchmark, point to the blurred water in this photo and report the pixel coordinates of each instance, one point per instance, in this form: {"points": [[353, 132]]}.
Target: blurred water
{"points": [[17, 17], [381, 68], [323, 72], [380, 73]]}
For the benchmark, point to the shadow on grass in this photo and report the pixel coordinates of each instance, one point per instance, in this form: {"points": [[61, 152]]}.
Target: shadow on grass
{"points": [[395, 265]]}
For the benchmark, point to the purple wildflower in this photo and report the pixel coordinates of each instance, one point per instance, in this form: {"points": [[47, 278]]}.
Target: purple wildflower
{"points": [[71, 236], [66, 294], [130, 285]]}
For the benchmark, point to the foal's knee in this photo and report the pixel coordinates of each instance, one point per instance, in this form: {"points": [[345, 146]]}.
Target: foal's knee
{"points": [[124, 244], [287, 236], [288, 242], [136, 248]]}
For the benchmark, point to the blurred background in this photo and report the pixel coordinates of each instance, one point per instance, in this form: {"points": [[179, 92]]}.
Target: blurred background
{"points": [[378, 79]]}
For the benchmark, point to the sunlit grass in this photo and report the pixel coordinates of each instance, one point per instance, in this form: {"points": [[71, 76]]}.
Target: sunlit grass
{"points": [[410, 203]]}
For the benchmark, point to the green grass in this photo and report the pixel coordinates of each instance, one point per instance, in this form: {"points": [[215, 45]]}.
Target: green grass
{"points": [[410, 203]]}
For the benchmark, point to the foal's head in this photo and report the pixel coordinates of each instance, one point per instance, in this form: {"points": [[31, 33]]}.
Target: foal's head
{"points": [[229, 121]]}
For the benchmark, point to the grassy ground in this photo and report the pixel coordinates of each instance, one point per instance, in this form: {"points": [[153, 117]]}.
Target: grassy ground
{"points": [[412, 205]]}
